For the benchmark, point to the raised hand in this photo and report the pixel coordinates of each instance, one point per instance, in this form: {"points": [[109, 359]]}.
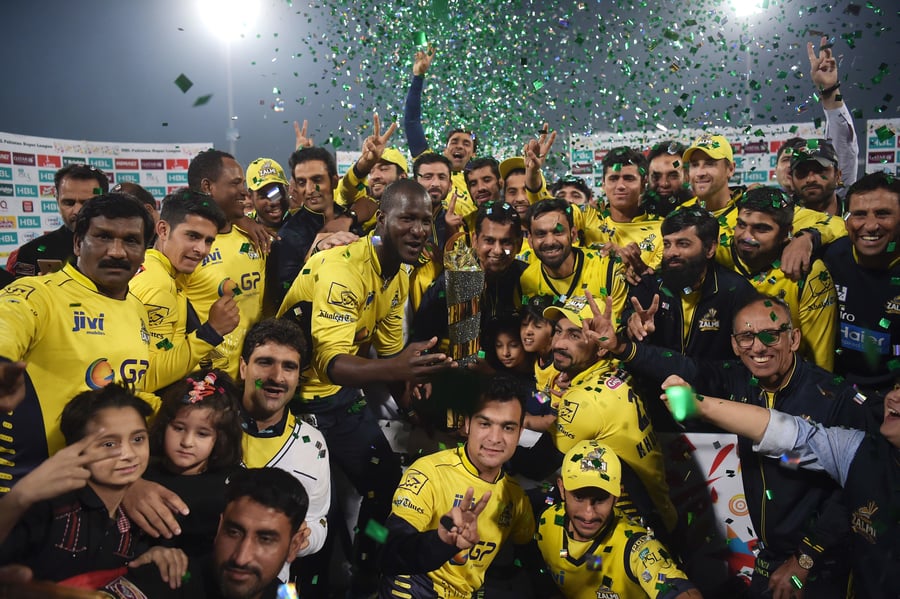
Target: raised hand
{"points": [[422, 61], [463, 533], [640, 323], [536, 150], [419, 364], [374, 146], [224, 315], [300, 138], [822, 65], [600, 328], [453, 220]]}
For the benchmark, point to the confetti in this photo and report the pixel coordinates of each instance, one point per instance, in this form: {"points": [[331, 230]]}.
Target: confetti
{"points": [[183, 83], [202, 100]]}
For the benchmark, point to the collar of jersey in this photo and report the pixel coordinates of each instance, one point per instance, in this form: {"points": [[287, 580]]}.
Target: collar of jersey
{"points": [[79, 277], [598, 368], [602, 536], [893, 263], [373, 255], [163, 259], [470, 467], [250, 428]]}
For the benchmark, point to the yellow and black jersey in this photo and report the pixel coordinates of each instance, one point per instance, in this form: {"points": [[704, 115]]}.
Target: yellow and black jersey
{"points": [[813, 304], [602, 275], [625, 561], [343, 302], [643, 230], [233, 263], [431, 487], [601, 404], [74, 339], [173, 351]]}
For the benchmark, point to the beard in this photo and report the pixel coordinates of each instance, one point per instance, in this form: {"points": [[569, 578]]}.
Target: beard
{"points": [[687, 274]]}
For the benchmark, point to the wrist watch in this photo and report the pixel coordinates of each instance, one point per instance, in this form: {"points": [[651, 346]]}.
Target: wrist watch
{"points": [[804, 561]]}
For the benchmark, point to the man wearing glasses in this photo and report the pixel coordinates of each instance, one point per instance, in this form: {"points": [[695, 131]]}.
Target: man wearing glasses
{"points": [[795, 513]]}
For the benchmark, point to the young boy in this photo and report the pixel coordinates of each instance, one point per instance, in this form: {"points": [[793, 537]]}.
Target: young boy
{"points": [[64, 518]]}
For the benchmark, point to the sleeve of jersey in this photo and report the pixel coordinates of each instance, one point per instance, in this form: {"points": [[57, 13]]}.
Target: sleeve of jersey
{"points": [[389, 331], [173, 353], [818, 315], [319, 500], [590, 225], [350, 188], [541, 194], [337, 298], [828, 227], [650, 564], [839, 128], [412, 117], [23, 305]]}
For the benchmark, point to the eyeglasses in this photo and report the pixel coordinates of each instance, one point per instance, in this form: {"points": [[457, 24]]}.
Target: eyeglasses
{"points": [[767, 337]]}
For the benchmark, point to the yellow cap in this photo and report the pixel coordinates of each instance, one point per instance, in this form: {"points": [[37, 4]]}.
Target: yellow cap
{"points": [[592, 464], [577, 309], [511, 164], [715, 146], [395, 156], [263, 171]]}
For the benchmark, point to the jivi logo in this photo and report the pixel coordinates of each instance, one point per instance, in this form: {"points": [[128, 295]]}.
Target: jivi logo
{"points": [[48, 206], [46, 176], [174, 178], [29, 222], [26, 191], [9, 239], [5, 173]]}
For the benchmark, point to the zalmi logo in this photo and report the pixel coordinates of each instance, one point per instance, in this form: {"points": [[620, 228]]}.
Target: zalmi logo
{"points": [[505, 518], [861, 522], [647, 244], [709, 322], [893, 306]]}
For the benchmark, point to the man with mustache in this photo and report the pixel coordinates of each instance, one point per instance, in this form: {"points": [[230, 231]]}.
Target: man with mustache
{"points": [[73, 330], [432, 171], [268, 193], [815, 176], [667, 186], [185, 233], [760, 234], [260, 530]]}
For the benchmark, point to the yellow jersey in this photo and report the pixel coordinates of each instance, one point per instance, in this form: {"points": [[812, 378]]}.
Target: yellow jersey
{"points": [[643, 230], [232, 257], [74, 339]]}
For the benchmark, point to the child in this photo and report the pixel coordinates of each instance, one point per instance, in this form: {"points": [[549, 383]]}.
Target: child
{"points": [[537, 340], [64, 519], [503, 347], [196, 443]]}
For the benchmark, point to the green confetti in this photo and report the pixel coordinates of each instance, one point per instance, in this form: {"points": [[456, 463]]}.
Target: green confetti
{"points": [[202, 100], [376, 531], [884, 133], [183, 83]]}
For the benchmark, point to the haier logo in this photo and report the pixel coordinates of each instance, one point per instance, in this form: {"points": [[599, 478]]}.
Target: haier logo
{"points": [[29, 222], [27, 191], [48, 206], [5, 173], [864, 340], [83, 322]]}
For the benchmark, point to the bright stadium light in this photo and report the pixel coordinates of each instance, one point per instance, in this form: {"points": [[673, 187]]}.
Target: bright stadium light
{"points": [[229, 19]]}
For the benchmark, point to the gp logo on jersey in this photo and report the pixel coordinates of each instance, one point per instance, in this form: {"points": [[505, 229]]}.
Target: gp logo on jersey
{"points": [[100, 372]]}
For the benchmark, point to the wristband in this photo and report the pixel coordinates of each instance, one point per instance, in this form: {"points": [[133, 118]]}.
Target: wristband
{"points": [[826, 93]]}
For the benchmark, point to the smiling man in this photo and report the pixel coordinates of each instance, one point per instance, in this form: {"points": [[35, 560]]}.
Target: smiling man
{"points": [[268, 193], [798, 519], [71, 331], [592, 549], [455, 509], [185, 232]]}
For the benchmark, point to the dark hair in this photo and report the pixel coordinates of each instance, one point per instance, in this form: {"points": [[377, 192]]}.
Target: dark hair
{"points": [[478, 163], [311, 154], [278, 331], [572, 181], [112, 205], [503, 323], [693, 216], [270, 487], [533, 309], [625, 156], [401, 188], [223, 400], [137, 192], [500, 388], [772, 201], [83, 407], [550, 205], [178, 206], [431, 158], [755, 297], [669, 147], [474, 136], [500, 213], [81, 172], [872, 182], [792, 144], [206, 165]]}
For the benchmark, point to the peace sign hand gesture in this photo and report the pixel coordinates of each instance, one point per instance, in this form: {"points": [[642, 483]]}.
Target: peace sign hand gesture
{"points": [[374, 147], [640, 323], [459, 526]]}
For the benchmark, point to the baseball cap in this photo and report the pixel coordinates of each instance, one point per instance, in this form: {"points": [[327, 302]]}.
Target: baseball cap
{"points": [[263, 171], [592, 464], [715, 146], [395, 156], [819, 150], [577, 309], [511, 164]]}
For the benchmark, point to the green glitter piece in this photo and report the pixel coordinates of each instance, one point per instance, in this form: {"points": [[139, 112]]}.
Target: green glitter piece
{"points": [[480, 354], [419, 38], [884, 323], [884, 133], [258, 383], [891, 246], [754, 381], [895, 280], [769, 494], [202, 100], [186, 576], [376, 531], [766, 338], [893, 365], [183, 83], [796, 582], [773, 316], [537, 85], [559, 520], [42, 248]]}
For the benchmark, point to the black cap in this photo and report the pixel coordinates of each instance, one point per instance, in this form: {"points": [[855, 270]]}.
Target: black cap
{"points": [[819, 150]]}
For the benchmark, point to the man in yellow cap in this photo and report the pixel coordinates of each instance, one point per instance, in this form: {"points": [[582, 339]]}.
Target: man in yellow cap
{"points": [[593, 550], [268, 193]]}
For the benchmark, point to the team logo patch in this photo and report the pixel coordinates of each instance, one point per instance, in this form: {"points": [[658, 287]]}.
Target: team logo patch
{"points": [[613, 382], [156, 314], [99, 374], [861, 522], [414, 481], [893, 305], [340, 295], [709, 321], [505, 518], [567, 411], [17, 290]]}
